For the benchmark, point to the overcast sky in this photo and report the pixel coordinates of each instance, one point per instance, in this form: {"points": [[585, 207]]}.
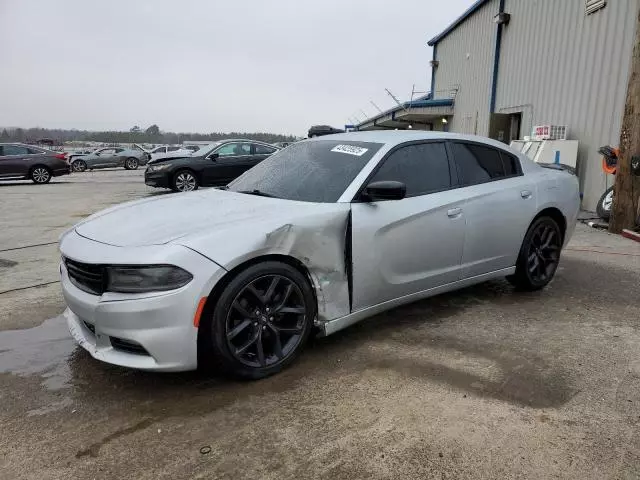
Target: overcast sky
{"points": [[219, 65]]}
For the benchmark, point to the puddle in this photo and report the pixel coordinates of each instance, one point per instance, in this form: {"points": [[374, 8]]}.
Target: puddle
{"points": [[43, 350]]}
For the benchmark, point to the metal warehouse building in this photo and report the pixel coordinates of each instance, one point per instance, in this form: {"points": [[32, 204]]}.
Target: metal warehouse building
{"points": [[505, 66]]}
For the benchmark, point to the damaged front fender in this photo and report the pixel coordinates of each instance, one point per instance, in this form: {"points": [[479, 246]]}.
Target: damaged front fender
{"points": [[315, 235]]}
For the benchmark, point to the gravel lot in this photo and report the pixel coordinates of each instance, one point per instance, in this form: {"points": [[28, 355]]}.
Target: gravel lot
{"points": [[482, 383]]}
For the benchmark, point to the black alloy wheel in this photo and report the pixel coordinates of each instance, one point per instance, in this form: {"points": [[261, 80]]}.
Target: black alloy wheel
{"points": [[539, 255], [261, 320], [266, 321]]}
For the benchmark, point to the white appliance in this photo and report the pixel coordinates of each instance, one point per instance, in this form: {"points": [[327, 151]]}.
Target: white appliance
{"points": [[564, 152]]}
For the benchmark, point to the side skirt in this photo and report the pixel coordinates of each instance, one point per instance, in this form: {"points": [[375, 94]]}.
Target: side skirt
{"points": [[337, 324]]}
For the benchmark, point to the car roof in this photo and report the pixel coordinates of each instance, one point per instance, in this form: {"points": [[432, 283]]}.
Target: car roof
{"points": [[395, 137]]}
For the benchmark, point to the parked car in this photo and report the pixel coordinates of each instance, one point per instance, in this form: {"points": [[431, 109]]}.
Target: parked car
{"points": [[110, 157], [27, 162], [215, 165], [321, 130], [320, 235], [169, 151]]}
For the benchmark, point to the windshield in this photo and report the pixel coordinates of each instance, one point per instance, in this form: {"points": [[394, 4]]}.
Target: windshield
{"points": [[315, 171]]}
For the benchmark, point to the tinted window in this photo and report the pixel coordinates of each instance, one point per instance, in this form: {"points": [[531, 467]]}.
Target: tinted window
{"points": [[312, 171], [14, 150], [160, 150], [511, 164], [263, 149], [173, 149], [476, 163], [234, 149], [423, 168], [107, 151], [36, 151]]}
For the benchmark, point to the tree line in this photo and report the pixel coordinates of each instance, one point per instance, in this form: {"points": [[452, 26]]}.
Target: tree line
{"points": [[152, 134]]}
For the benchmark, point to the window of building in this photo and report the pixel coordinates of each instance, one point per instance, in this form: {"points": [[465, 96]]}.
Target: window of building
{"points": [[592, 6], [423, 168]]}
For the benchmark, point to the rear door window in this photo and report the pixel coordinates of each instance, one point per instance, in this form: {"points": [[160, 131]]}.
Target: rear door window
{"points": [[14, 150], [477, 163], [263, 149], [423, 168]]}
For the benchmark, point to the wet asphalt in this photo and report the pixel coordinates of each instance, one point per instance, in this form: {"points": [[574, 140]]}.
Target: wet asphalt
{"points": [[481, 383]]}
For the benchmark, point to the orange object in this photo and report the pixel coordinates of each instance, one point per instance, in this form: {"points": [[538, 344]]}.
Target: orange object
{"points": [[196, 318], [610, 169]]}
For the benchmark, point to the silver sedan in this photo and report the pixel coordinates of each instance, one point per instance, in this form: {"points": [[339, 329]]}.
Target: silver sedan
{"points": [[317, 237], [111, 157]]}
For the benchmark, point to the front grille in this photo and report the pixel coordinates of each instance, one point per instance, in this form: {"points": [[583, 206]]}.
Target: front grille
{"points": [[128, 346], [87, 277]]}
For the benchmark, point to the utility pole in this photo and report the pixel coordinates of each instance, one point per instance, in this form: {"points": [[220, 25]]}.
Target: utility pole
{"points": [[624, 211]]}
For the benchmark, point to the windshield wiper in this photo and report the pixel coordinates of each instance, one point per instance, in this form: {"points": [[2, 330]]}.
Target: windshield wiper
{"points": [[258, 193]]}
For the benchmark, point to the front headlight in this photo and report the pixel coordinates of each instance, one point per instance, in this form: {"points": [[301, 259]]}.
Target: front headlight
{"points": [[152, 278], [157, 168]]}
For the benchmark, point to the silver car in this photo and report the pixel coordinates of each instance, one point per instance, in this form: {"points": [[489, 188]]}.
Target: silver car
{"points": [[317, 237], [110, 157]]}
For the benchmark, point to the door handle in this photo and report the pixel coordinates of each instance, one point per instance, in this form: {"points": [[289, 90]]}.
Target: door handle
{"points": [[454, 212], [526, 194]]}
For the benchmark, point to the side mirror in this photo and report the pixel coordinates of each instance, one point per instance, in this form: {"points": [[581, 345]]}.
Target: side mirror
{"points": [[214, 156], [384, 190]]}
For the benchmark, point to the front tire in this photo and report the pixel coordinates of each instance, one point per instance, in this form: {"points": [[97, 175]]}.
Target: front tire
{"points": [[131, 163], [184, 181], [539, 255], [79, 166], [261, 321], [40, 175], [603, 209]]}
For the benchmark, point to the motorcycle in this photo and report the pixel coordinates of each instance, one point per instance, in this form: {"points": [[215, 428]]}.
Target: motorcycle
{"points": [[609, 166], [610, 157]]}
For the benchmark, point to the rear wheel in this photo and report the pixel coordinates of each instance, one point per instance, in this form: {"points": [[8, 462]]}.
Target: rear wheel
{"points": [[131, 163], [184, 181], [261, 321], [603, 209], [79, 166], [40, 175], [539, 255]]}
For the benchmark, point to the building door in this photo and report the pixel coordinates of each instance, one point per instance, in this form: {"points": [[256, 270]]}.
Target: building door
{"points": [[514, 127]]}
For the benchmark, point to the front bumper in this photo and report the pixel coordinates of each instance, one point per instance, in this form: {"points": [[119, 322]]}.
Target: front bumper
{"points": [[156, 179], [148, 331]]}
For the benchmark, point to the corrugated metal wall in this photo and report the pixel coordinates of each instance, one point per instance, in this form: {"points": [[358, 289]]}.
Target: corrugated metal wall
{"points": [[466, 62], [558, 66]]}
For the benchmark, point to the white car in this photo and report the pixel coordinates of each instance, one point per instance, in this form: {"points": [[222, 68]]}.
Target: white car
{"points": [[168, 151], [318, 236]]}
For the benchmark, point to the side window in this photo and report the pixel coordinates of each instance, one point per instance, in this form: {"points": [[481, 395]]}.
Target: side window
{"points": [[423, 168], [476, 163], [173, 149], [119, 150], [234, 149], [107, 151], [35, 151], [14, 150], [263, 149], [511, 164], [160, 150]]}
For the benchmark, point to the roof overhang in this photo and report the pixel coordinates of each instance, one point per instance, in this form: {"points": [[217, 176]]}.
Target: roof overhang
{"points": [[419, 112]]}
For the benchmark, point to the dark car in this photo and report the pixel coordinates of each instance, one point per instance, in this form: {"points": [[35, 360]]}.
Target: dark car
{"points": [[213, 166], [26, 162], [321, 130]]}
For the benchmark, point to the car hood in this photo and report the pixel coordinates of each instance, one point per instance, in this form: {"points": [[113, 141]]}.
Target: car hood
{"points": [[155, 160], [187, 217]]}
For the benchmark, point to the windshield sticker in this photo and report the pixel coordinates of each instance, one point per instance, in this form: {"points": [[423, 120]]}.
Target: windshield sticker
{"points": [[350, 150]]}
